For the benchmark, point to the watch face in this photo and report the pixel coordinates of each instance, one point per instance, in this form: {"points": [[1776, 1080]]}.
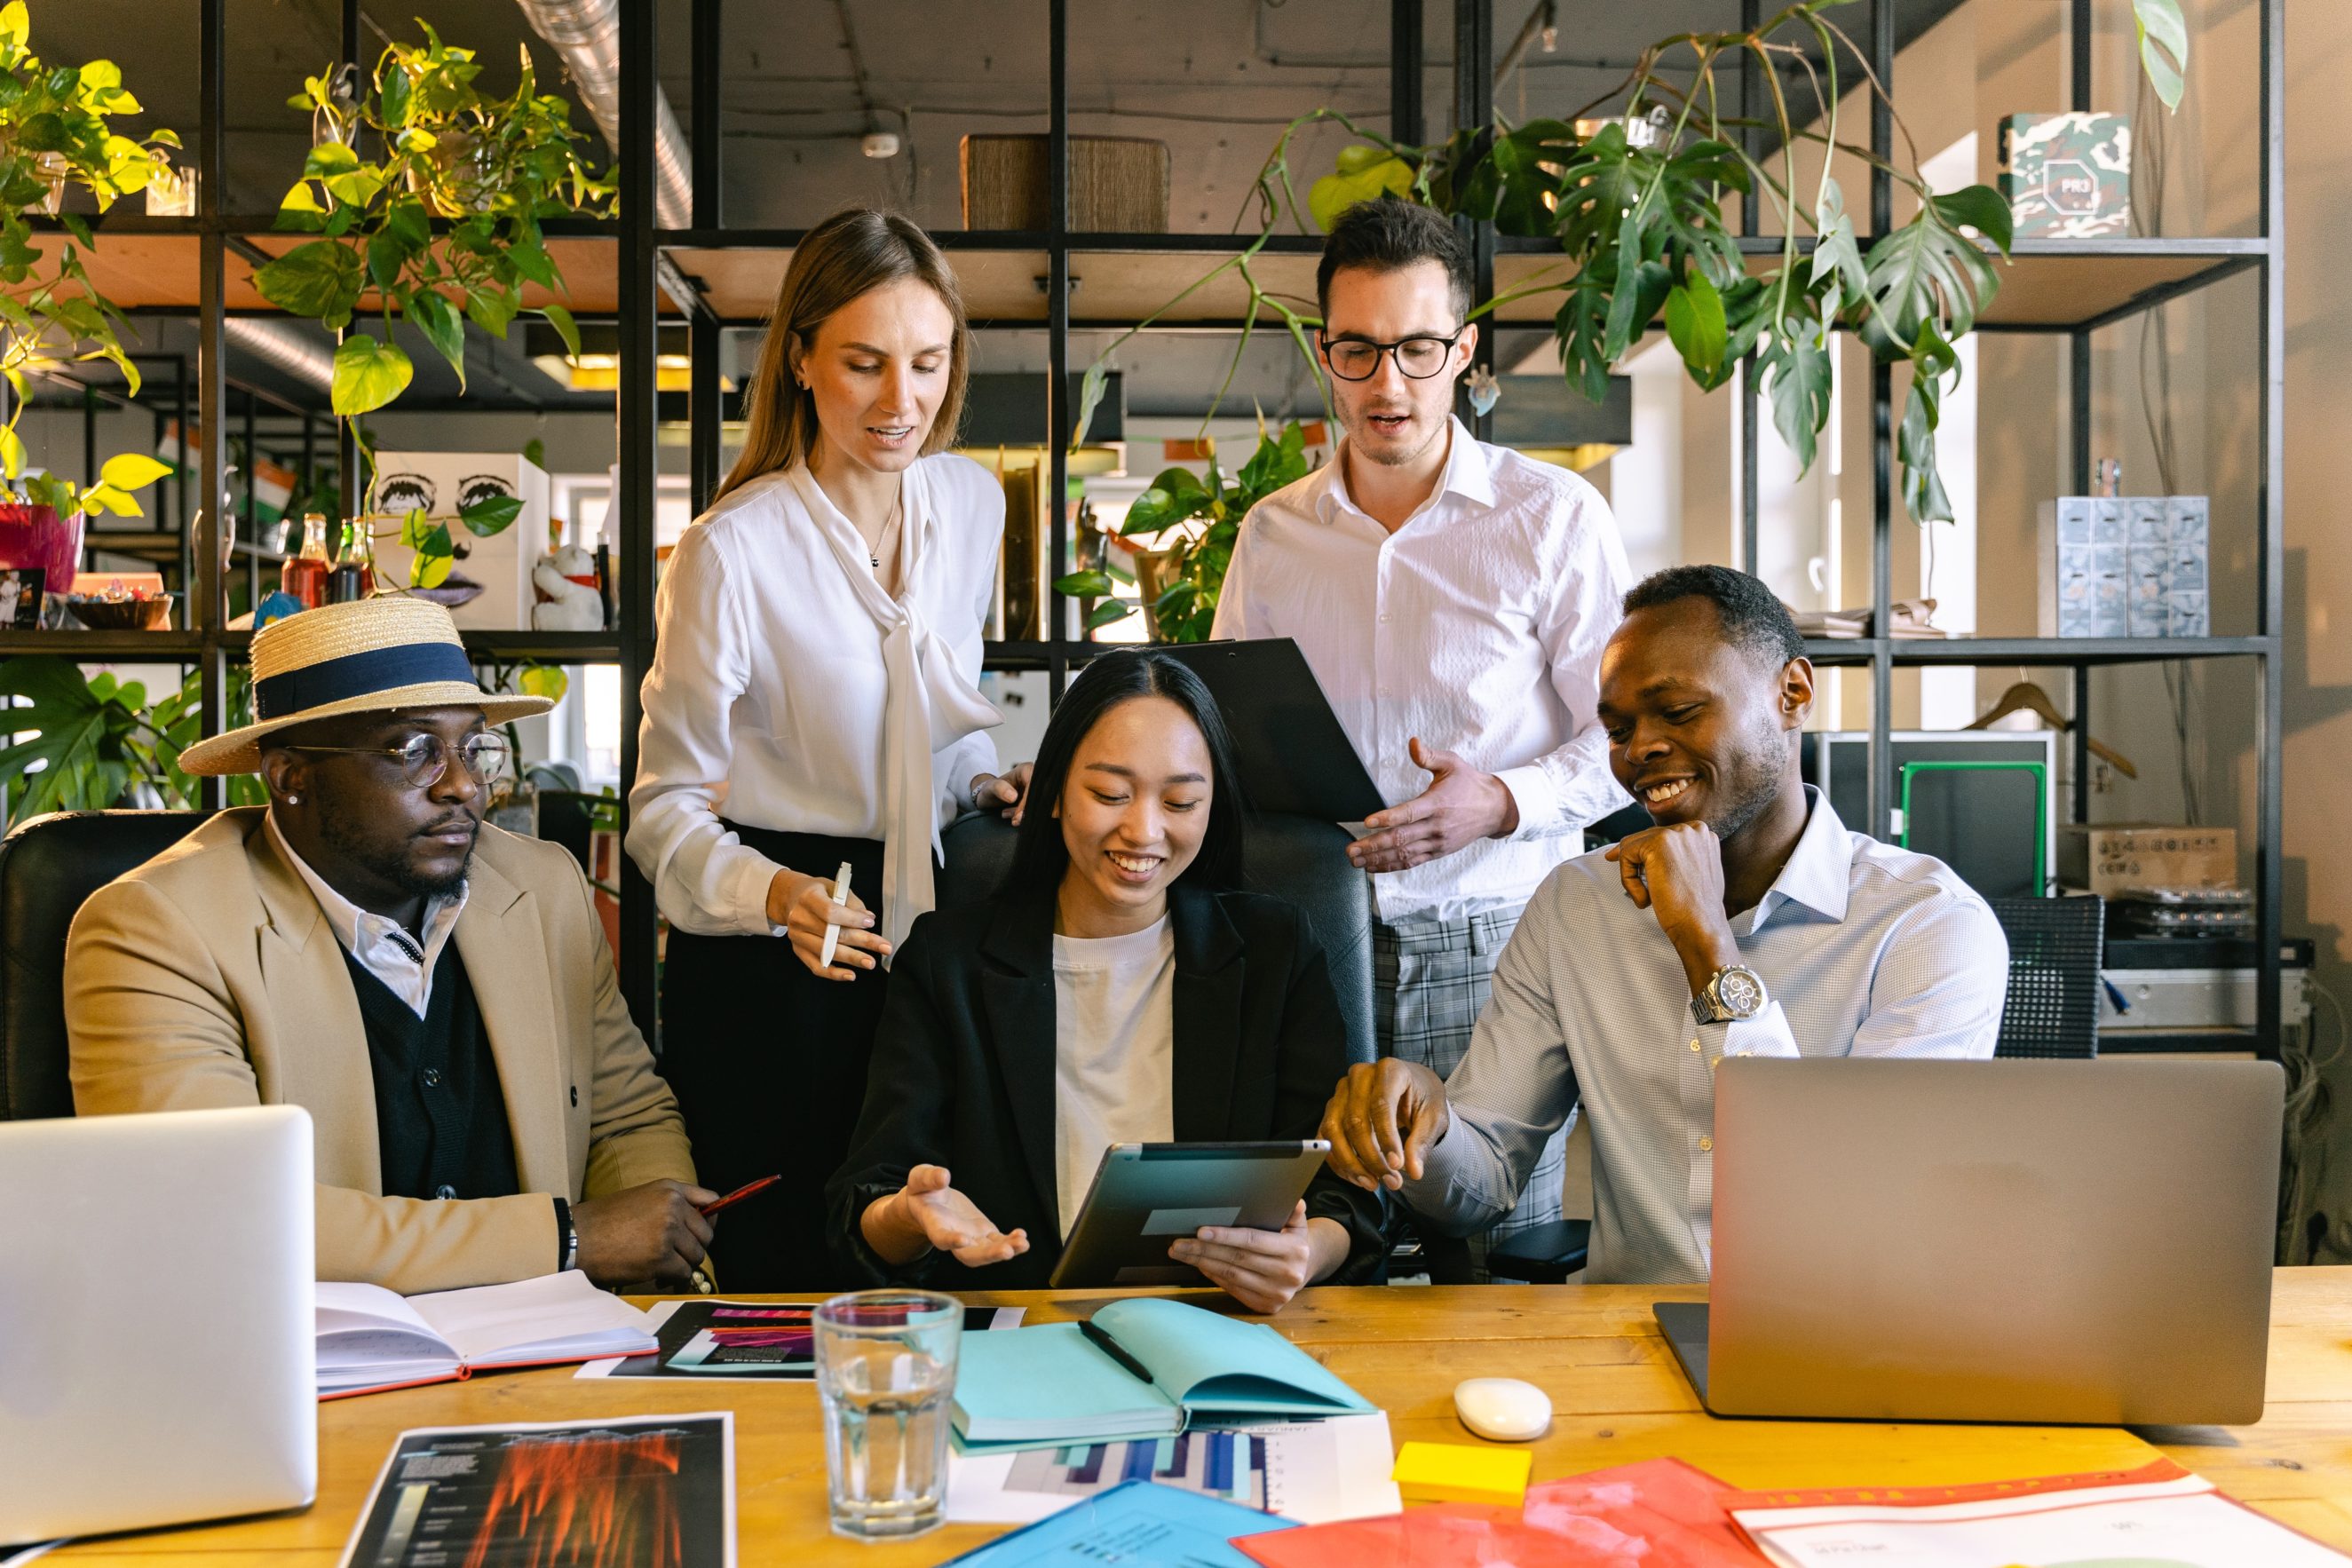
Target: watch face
{"points": [[1742, 993]]}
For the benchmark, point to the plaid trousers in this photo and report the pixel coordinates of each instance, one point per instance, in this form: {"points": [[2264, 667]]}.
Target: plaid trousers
{"points": [[1430, 982]]}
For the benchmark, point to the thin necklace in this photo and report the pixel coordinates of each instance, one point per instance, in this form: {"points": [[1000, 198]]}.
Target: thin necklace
{"points": [[873, 551]]}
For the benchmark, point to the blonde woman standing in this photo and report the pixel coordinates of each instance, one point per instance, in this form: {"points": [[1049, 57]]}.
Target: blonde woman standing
{"points": [[814, 699]]}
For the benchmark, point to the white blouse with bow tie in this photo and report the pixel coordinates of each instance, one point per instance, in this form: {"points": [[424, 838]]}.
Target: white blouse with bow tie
{"points": [[788, 692]]}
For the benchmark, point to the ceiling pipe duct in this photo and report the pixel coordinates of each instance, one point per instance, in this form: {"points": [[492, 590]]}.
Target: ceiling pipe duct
{"points": [[283, 347], [587, 34]]}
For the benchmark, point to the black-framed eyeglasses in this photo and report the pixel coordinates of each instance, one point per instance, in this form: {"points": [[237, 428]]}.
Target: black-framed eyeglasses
{"points": [[425, 760], [1358, 359]]}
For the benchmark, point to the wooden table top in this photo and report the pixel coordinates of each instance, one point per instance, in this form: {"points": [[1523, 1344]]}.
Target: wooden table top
{"points": [[1616, 1390]]}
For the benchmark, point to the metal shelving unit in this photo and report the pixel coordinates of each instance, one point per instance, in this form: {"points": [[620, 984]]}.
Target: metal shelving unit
{"points": [[710, 277]]}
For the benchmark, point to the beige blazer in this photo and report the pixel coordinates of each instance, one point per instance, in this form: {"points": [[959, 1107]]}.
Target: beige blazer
{"points": [[209, 976]]}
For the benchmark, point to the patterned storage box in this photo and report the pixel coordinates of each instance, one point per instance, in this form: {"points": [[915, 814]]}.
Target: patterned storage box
{"points": [[2130, 566], [2067, 176]]}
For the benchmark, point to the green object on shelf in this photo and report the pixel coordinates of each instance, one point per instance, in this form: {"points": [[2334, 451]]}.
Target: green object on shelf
{"points": [[1910, 771]]}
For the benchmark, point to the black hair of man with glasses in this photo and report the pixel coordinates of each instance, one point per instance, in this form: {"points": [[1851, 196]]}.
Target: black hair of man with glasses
{"points": [[1453, 597]]}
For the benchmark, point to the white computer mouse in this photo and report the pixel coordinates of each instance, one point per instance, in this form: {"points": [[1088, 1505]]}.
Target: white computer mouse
{"points": [[1503, 1408]]}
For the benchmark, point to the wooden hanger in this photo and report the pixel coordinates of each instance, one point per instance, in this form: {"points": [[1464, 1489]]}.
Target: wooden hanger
{"points": [[2026, 697]]}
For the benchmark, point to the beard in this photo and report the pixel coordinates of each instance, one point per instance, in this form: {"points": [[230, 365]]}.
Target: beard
{"points": [[347, 834], [1752, 782]]}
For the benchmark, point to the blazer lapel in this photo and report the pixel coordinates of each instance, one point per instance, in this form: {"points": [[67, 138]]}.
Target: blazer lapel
{"points": [[505, 952], [1016, 988], [1207, 1013], [312, 1030]]}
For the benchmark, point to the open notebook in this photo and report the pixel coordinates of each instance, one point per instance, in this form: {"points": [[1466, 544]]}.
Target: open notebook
{"points": [[370, 1339], [1038, 1386]]}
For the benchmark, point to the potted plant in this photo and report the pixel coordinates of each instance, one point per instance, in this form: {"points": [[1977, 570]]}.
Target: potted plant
{"points": [[55, 136], [1638, 208], [439, 226], [1178, 584]]}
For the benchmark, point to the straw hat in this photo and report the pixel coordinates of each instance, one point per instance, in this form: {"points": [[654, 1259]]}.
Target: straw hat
{"points": [[364, 656]]}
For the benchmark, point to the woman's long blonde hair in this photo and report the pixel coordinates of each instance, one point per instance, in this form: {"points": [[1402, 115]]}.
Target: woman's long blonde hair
{"points": [[839, 259]]}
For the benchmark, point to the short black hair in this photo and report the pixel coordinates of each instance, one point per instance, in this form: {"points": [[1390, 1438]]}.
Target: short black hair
{"points": [[1752, 615], [1039, 856], [1387, 233]]}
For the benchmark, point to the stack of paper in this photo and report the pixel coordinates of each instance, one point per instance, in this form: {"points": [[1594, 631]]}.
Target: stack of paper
{"points": [[2157, 1514]]}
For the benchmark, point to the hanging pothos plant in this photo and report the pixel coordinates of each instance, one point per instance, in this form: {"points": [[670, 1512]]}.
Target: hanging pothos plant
{"points": [[53, 134], [1638, 209], [422, 150]]}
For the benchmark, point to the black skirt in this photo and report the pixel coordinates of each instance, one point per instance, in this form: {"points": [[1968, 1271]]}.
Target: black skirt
{"points": [[768, 1063]]}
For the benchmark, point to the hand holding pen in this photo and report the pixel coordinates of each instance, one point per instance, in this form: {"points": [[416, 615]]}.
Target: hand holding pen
{"points": [[805, 907]]}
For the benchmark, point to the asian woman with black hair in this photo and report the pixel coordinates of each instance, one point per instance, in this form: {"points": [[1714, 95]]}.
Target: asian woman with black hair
{"points": [[1120, 987]]}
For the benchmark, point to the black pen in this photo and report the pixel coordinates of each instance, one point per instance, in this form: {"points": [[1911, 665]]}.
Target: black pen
{"points": [[1113, 1349]]}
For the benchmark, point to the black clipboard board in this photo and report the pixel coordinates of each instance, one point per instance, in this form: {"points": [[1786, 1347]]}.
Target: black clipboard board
{"points": [[1294, 756]]}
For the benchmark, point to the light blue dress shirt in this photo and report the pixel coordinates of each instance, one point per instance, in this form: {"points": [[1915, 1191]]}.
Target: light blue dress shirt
{"points": [[1865, 949]]}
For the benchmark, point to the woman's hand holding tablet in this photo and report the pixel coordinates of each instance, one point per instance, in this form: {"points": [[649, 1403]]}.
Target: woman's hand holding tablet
{"points": [[1263, 1269]]}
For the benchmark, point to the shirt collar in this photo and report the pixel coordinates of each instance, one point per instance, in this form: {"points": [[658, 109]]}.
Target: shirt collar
{"points": [[1468, 473], [1818, 872], [361, 930]]}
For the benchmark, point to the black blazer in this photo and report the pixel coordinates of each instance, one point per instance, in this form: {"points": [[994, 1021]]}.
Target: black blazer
{"points": [[963, 1073]]}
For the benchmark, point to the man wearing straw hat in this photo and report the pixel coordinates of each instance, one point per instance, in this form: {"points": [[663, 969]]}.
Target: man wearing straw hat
{"points": [[437, 994]]}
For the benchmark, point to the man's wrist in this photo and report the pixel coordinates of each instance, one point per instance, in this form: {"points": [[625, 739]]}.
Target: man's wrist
{"points": [[1504, 812], [1705, 952]]}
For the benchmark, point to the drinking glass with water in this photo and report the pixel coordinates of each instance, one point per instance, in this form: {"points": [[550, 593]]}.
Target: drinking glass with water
{"points": [[886, 1366]]}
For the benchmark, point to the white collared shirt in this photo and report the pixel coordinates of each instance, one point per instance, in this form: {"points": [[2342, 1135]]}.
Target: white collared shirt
{"points": [[384, 947], [1476, 627], [1864, 950], [786, 686]]}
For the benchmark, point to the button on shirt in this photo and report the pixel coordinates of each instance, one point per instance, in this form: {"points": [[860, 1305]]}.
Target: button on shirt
{"points": [[383, 947], [1866, 950], [1476, 627]]}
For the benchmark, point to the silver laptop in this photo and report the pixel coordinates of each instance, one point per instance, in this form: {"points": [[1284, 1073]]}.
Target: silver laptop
{"points": [[2021, 1241], [156, 1319]]}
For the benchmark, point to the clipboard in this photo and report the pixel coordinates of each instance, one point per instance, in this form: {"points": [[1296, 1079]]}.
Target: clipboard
{"points": [[1294, 756]]}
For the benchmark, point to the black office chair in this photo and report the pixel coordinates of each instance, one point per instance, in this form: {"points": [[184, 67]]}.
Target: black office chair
{"points": [[1293, 858], [2055, 947], [48, 867]]}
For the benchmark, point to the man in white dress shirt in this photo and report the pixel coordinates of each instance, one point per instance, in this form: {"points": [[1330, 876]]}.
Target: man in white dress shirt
{"points": [[1749, 921], [1453, 598]]}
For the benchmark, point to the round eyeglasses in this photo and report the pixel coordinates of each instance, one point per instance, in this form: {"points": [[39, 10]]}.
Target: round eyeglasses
{"points": [[425, 760], [1359, 359]]}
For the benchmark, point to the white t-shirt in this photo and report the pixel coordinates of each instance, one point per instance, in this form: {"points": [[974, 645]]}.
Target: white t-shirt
{"points": [[1114, 1050]]}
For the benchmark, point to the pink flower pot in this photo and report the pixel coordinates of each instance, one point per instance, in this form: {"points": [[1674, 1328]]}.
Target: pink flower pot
{"points": [[34, 536]]}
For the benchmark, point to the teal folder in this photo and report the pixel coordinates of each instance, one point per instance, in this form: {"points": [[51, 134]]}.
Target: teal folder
{"points": [[1037, 1386]]}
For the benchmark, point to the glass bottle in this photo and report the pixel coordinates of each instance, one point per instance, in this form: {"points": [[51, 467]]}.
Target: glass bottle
{"points": [[305, 575], [354, 573]]}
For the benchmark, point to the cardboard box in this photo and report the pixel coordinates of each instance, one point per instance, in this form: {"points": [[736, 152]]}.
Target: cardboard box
{"points": [[2114, 857], [439, 482], [2067, 176]]}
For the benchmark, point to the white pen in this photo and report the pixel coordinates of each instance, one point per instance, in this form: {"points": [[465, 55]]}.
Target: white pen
{"points": [[833, 932]]}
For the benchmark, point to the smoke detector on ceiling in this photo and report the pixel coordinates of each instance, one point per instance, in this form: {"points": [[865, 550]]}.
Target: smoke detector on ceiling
{"points": [[879, 145]]}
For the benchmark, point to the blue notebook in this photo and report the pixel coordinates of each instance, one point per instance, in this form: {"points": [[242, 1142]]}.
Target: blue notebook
{"points": [[1137, 1522], [1037, 1386]]}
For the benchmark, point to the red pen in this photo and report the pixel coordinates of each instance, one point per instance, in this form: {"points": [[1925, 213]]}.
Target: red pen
{"points": [[737, 1196]]}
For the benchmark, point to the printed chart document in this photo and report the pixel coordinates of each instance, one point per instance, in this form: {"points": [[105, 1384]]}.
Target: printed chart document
{"points": [[1140, 1524], [746, 1342], [2159, 1516], [654, 1491], [1310, 1471], [371, 1340]]}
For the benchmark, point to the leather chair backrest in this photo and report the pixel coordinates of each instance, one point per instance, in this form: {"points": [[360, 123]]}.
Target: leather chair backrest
{"points": [[48, 867], [1293, 858]]}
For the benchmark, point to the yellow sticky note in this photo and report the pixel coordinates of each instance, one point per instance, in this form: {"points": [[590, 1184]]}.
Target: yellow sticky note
{"points": [[1455, 1472]]}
